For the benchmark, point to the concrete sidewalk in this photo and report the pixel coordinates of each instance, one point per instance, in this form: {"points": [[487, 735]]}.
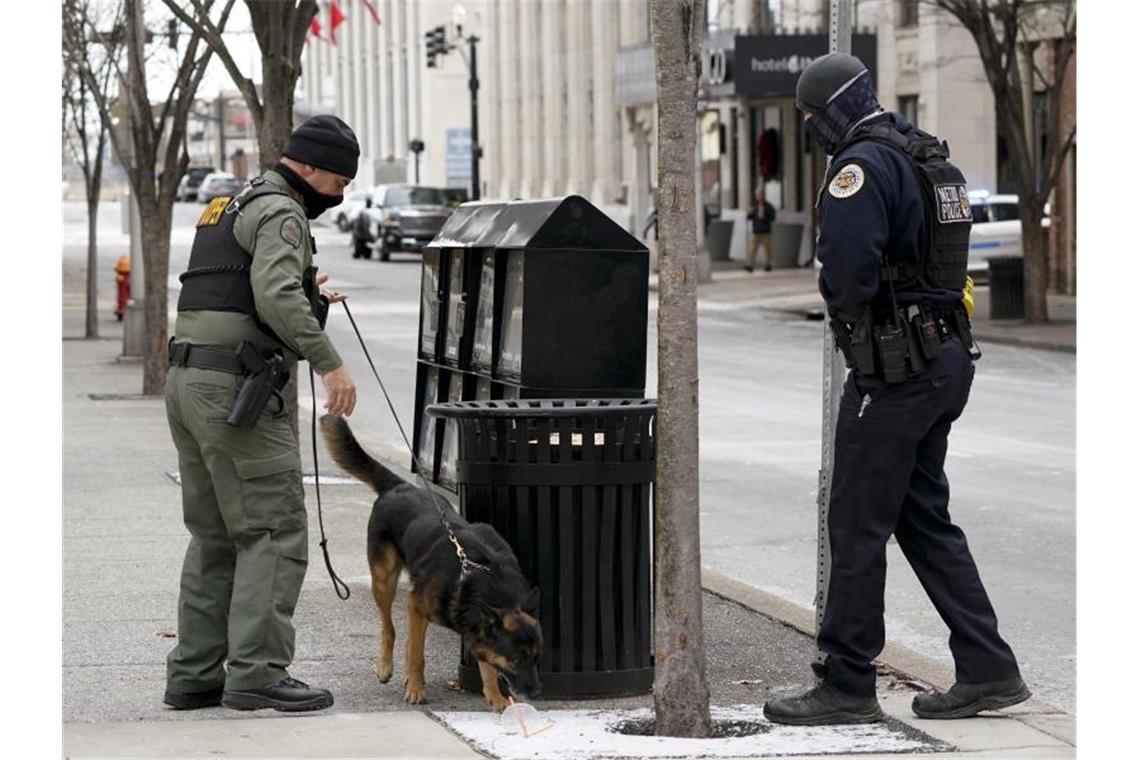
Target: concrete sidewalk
{"points": [[796, 291], [123, 544]]}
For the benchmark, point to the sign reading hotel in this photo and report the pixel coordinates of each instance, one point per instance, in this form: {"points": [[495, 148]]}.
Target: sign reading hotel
{"points": [[768, 65]]}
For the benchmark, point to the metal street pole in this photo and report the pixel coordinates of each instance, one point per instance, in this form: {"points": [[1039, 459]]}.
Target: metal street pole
{"points": [[134, 323], [834, 372], [476, 152]]}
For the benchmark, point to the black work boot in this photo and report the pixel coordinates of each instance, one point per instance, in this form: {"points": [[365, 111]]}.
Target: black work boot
{"points": [[965, 700], [193, 700], [290, 695], [822, 706]]}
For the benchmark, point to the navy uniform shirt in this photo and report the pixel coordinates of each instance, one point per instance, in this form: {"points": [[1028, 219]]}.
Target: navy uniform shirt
{"points": [[871, 212]]}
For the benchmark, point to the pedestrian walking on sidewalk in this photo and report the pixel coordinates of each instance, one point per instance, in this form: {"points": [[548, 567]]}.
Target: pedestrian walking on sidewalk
{"points": [[894, 232], [251, 305], [762, 213]]}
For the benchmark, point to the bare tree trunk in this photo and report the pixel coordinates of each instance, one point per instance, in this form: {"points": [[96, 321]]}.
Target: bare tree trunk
{"points": [[680, 688], [1036, 263], [156, 270], [92, 328]]}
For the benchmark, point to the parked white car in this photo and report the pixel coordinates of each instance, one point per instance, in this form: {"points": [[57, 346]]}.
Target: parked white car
{"points": [[996, 230], [345, 214]]}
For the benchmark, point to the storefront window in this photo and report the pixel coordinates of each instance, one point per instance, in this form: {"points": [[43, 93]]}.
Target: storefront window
{"points": [[908, 107], [908, 13], [767, 137], [710, 163]]}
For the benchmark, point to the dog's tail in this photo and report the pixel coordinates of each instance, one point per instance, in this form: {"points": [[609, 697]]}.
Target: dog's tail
{"points": [[353, 459]]}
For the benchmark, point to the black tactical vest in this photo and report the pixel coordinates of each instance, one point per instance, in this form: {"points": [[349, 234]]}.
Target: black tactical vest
{"points": [[946, 207], [217, 277]]}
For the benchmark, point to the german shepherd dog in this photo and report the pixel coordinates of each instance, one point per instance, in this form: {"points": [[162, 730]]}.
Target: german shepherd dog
{"points": [[494, 608]]}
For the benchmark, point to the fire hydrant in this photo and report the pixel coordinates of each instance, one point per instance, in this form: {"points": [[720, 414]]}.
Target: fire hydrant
{"points": [[123, 280]]}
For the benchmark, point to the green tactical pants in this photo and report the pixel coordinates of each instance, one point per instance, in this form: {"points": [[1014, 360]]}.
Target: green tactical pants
{"points": [[243, 503]]}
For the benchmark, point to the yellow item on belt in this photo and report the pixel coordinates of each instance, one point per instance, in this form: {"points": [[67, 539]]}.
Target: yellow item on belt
{"points": [[968, 296]]}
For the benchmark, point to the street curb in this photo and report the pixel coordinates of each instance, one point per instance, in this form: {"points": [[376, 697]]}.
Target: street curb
{"points": [[894, 655]]}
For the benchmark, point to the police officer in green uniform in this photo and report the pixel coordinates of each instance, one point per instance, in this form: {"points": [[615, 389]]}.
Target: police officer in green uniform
{"points": [[251, 305]]}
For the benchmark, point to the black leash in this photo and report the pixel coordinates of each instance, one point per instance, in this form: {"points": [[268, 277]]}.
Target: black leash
{"points": [[338, 584], [465, 565]]}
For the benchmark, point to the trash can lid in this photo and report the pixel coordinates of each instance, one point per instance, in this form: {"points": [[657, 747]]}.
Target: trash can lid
{"points": [[572, 407]]}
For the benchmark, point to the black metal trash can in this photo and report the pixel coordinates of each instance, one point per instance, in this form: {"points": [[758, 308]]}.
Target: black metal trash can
{"points": [[568, 484], [1007, 287]]}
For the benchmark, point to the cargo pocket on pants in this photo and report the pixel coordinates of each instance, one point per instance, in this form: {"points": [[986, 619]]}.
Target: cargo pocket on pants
{"points": [[271, 492]]}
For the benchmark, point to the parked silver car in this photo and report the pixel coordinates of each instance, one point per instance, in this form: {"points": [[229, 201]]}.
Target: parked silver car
{"points": [[191, 181], [217, 184]]}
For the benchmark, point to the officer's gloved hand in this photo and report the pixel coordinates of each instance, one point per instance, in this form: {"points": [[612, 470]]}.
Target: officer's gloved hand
{"points": [[341, 391]]}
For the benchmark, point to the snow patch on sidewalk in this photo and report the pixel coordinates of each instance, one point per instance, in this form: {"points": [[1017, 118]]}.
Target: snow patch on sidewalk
{"points": [[588, 734]]}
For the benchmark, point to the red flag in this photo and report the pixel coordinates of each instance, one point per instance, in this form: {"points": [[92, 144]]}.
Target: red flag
{"points": [[336, 18], [314, 29], [372, 9]]}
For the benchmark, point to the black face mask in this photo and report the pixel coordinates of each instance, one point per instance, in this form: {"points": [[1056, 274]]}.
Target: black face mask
{"points": [[830, 125], [315, 203]]}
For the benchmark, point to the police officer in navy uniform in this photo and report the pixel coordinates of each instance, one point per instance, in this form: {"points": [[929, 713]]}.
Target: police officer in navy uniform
{"points": [[894, 233]]}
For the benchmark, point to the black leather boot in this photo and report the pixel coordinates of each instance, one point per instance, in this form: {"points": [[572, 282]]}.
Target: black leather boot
{"points": [[193, 700], [823, 706], [290, 695], [965, 700]]}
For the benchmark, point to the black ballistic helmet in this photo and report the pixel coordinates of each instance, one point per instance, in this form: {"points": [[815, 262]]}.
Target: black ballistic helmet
{"points": [[836, 90]]}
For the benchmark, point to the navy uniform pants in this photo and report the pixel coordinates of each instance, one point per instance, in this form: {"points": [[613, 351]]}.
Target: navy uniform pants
{"points": [[890, 448]]}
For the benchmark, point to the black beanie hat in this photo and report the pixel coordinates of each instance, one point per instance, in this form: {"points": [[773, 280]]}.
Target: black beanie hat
{"points": [[327, 142]]}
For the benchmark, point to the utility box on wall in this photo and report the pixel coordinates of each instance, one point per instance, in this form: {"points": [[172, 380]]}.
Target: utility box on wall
{"points": [[527, 299]]}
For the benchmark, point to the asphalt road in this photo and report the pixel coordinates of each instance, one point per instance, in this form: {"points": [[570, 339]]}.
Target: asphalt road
{"points": [[1012, 463]]}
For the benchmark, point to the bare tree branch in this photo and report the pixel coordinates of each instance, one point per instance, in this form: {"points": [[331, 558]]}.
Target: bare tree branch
{"points": [[212, 34]]}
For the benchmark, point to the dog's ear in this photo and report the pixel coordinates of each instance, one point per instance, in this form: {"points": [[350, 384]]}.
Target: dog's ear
{"points": [[530, 602]]}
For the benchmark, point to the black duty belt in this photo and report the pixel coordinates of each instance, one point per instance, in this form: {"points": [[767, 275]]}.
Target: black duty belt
{"points": [[189, 355]]}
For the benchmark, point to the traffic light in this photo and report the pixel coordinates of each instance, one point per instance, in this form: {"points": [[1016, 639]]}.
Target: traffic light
{"points": [[435, 41]]}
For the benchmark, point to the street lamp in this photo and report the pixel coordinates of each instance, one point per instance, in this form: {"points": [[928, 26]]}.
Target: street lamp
{"points": [[437, 45]]}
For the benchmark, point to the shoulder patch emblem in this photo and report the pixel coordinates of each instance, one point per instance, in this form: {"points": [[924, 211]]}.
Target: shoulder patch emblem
{"points": [[291, 231], [847, 181], [953, 204]]}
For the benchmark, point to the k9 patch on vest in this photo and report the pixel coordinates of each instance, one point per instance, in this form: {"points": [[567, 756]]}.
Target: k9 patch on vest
{"points": [[953, 204], [291, 231], [213, 211], [847, 181]]}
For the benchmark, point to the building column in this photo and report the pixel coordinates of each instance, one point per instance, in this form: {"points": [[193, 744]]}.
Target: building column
{"points": [[372, 105], [356, 55], [509, 94], [579, 142], [399, 103], [604, 33], [553, 128], [531, 139], [413, 34], [384, 88], [490, 166], [339, 68]]}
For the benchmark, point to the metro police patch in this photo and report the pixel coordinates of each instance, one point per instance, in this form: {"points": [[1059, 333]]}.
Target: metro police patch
{"points": [[847, 181], [291, 231], [953, 204]]}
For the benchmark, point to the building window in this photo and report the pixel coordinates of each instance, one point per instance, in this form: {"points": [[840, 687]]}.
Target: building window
{"points": [[908, 107], [908, 13], [712, 146], [734, 159]]}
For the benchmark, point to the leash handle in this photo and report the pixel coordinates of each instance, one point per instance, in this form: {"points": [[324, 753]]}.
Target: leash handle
{"points": [[339, 586]]}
